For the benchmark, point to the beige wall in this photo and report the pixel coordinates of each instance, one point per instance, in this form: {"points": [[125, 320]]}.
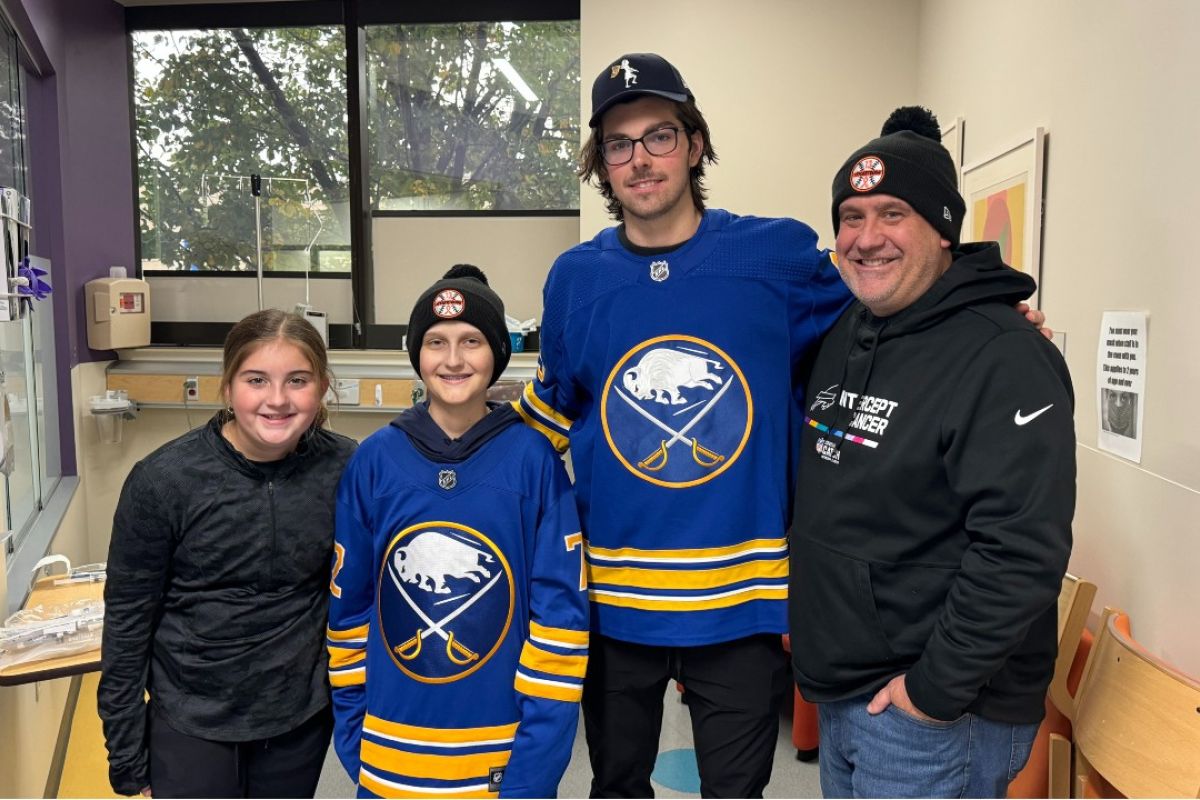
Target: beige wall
{"points": [[410, 253], [1114, 83], [180, 298], [104, 467]]}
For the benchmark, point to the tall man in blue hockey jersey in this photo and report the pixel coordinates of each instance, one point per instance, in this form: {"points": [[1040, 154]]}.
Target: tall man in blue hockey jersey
{"points": [[937, 486], [673, 350]]}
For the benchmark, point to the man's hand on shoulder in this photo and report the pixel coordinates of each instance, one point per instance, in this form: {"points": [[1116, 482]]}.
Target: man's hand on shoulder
{"points": [[1037, 318], [895, 694]]}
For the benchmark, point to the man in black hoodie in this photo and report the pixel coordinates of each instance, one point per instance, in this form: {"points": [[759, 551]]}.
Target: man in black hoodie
{"points": [[937, 484]]}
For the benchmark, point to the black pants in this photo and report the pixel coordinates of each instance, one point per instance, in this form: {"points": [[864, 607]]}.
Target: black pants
{"points": [[287, 765], [734, 691]]}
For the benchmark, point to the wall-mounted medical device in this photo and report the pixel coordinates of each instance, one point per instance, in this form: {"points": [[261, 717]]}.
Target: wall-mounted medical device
{"points": [[118, 311]]}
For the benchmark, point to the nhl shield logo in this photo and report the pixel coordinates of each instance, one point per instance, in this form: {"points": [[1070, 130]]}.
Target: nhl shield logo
{"points": [[447, 479], [676, 411], [446, 596], [660, 271]]}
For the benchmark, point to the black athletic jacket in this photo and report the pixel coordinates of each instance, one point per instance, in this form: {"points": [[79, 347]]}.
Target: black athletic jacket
{"points": [[217, 594], [931, 537]]}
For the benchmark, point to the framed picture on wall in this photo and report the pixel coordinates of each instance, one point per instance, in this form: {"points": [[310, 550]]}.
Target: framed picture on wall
{"points": [[1004, 203], [952, 140]]}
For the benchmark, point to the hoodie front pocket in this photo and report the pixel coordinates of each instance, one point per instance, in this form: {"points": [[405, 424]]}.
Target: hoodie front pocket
{"points": [[836, 631]]}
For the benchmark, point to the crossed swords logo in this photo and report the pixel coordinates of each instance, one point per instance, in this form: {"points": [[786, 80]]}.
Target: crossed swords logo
{"points": [[456, 651], [700, 454]]}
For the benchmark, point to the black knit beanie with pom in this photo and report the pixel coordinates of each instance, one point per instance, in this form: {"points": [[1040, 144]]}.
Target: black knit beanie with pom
{"points": [[906, 161], [462, 295]]}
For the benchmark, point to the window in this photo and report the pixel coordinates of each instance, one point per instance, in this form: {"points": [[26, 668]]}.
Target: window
{"points": [[212, 108], [473, 116], [444, 111], [12, 116], [28, 386]]}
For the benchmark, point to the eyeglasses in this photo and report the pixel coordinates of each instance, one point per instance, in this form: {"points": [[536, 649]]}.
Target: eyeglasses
{"points": [[659, 142]]}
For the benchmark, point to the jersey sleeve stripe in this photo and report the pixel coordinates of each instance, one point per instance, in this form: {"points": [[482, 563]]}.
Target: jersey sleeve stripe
{"points": [[340, 657], [357, 634], [560, 637], [348, 677], [539, 660], [543, 410], [549, 690], [559, 441]]}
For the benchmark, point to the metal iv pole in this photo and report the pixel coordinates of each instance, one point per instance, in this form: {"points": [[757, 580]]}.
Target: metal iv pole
{"points": [[256, 190]]}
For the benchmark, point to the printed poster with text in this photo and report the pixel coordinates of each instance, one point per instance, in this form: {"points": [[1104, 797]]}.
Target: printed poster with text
{"points": [[1121, 383]]}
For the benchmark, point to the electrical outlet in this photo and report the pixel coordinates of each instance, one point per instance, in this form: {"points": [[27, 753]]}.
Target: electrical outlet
{"points": [[191, 389]]}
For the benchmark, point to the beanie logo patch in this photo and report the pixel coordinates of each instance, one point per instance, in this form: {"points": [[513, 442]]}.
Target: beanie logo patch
{"points": [[946, 214], [867, 173], [449, 303]]}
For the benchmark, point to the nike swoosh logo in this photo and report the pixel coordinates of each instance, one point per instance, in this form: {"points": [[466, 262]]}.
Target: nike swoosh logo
{"points": [[1024, 420]]}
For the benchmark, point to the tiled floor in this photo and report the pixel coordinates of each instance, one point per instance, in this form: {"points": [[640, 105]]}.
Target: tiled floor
{"points": [[85, 773]]}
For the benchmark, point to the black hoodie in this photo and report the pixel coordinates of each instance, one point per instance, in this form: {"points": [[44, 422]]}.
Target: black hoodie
{"points": [[934, 505]]}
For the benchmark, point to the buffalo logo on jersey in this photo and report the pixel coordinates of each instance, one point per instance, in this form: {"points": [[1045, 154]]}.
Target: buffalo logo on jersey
{"points": [[445, 600], [676, 411]]}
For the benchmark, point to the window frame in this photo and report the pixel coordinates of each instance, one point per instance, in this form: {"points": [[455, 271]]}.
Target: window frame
{"points": [[354, 16], [29, 538]]}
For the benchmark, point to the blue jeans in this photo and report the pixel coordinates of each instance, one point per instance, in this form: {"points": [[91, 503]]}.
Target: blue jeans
{"points": [[894, 754]]}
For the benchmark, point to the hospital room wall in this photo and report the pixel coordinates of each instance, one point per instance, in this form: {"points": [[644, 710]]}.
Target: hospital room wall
{"points": [[1113, 83]]}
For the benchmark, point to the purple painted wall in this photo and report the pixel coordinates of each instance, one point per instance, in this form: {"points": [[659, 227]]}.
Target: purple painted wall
{"points": [[80, 147]]}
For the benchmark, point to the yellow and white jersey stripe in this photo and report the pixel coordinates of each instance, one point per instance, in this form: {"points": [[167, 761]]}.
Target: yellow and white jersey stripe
{"points": [[553, 662], [693, 579], [347, 656], [538, 415], [399, 760]]}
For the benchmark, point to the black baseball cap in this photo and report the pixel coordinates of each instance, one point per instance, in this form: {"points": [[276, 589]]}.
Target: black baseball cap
{"points": [[633, 75]]}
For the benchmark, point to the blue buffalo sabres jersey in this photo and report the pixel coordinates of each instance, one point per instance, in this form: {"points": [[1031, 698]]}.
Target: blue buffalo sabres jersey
{"points": [[676, 380], [458, 621]]}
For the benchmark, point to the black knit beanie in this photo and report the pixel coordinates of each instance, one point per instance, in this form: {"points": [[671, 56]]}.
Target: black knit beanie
{"points": [[462, 295], [906, 161]]}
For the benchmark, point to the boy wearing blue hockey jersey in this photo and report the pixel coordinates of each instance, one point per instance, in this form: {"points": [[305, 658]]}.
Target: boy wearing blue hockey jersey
{"points": [[458, 629]]}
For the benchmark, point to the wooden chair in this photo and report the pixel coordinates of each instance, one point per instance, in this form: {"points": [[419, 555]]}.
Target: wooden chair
{"points": [[1074, 604], [1045, 774], [1136, 721]]}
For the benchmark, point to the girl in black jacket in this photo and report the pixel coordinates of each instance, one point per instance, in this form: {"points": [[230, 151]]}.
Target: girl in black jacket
{"points": [[218, 575]]}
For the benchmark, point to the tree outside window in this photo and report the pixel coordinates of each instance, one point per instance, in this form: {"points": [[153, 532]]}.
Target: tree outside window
{"points": [[475, 116], [215, 106]]}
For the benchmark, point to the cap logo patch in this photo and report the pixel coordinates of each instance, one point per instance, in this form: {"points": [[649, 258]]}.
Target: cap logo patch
{"points": [[630, 71], [946, 214], [866, 174], [449, 303]]}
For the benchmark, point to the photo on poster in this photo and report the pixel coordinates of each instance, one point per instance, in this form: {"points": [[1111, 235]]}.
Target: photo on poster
{"points": [[1119, 412]]}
